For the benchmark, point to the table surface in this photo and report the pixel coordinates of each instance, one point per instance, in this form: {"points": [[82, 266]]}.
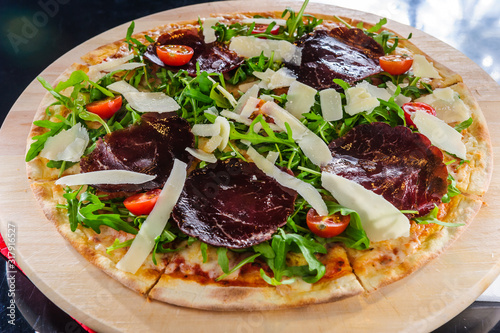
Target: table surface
{"points": [[468, 26]]}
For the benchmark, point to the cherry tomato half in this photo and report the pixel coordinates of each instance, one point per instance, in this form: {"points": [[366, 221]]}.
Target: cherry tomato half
{"points": [[396, 64], [174, 55], [327, 226], [105, 108], [412, 107], [261, 28], [142, 203]]}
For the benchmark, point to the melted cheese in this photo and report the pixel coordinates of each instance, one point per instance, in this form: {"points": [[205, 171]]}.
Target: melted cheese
{"points": [[380, 219], [306, 190], [106, 177], [441, 134], [67, 145], [156, 221]]}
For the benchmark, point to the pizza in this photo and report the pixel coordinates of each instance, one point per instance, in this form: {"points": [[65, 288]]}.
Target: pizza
{"points": [[265, 160]]}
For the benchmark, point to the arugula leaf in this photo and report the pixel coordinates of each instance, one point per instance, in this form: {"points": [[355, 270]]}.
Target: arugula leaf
{"points": [[118, 245], [245, 261], [452, 190], [354, 236], [464, 125], [432, 218], [39, 140]]}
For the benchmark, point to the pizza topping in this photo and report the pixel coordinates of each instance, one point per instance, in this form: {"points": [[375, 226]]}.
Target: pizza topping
{"points": [[307, 191], [270, 79], [396, 64], [121, 87], [400, 165], [156, 221], [174, 55], [448, 105], [141, 203], [232, 204], [342, 53], [67, 145], [147, 148], [151, 101], [412, 107], [211, 57], [331, 104], [327, 226], [380, 219], [423, 68], [106, 177], [280, 50], [208, 31], [440, 133], [300, 99], [105, 108]]}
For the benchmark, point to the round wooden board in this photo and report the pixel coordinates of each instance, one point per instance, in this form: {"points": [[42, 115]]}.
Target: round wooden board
{"points": [[420, 302]]}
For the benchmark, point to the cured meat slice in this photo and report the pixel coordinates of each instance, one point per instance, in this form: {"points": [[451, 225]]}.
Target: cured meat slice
{"points": [[212, 57], [394, 162], [147, 148], [232, 204], [342, 53]]}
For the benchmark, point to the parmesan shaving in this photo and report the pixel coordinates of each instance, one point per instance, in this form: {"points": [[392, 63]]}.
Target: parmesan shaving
{"points": [[248, 47], [156, 221], [300, 99], [208, 31], [306, 190], [105, 177], [121, 87], [265, 21], [331, 104], [201, 155], [423, 68], [67, 145], [379, 218], [151, 102]]}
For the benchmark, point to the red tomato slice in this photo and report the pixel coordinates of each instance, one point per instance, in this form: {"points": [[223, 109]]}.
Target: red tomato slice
{"points": [[412, 107], [142, 203], [105, 108], [174, 55], [396, 64], [261, 28], [327, 226]]}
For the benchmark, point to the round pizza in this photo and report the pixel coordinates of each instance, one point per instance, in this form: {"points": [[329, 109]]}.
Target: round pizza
{"points": [[259, 160]]}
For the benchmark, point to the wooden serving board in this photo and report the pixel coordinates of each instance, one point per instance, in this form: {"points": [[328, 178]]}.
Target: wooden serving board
{"points": [[421, 302]]}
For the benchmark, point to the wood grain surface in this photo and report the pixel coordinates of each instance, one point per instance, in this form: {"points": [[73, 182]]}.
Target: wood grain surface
{"points": [[423, 301]]}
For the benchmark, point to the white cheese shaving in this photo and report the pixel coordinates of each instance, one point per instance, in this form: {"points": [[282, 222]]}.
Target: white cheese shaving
{"points": [[272, 156], [359, 100], [306, 190], [154, 224], [331, 104], [219, 132], [201, 155], [448, 105], [440, 133], [311, 145], [250, 107], [423, 68], [212, 144], [248, 47], [265, 21], [106, 177], [300, 98], [379, 218], [121, 87], [205, 129], [127, 66], [208, 31], [400, 99], [270, 79], [151, 102], [253, 91], [67, 145]]}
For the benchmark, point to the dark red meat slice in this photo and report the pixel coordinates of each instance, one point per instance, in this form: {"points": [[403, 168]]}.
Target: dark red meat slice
{"points": [[212, 57], [342, 53], [232, 204], [392, 161], [148, 148]]}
